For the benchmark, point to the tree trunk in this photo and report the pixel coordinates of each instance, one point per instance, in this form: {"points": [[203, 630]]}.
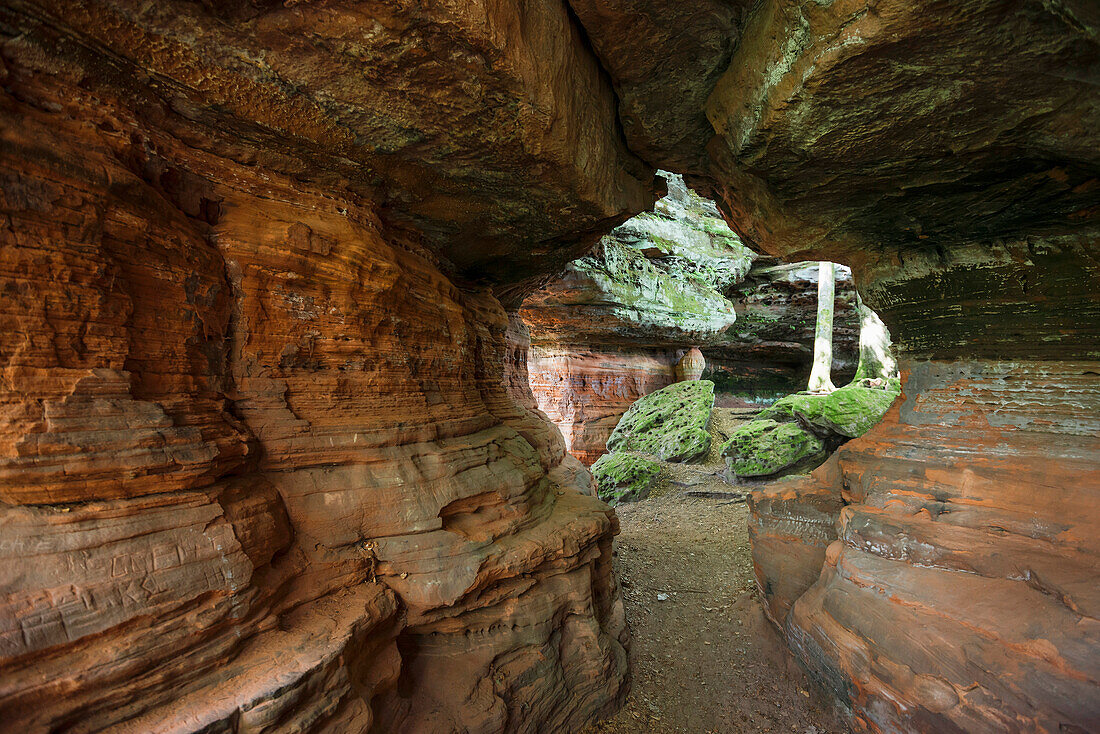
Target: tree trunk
{"points": [[875, 360], [820, 381]]}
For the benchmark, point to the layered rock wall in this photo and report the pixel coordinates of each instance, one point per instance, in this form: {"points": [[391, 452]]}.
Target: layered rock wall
{"points": [[768, 352], [614, 325], [264, 462], [953, 542]]}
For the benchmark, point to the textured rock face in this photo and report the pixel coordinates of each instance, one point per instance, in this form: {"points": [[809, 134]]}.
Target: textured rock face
{"points": [[662, 95], [615, 326], [691, 365], [764, 448], [617, 323], [659, 279], [670, 424], [954, 596], [262, 463], [262, 467], [586, 392], [622, 477], [961, 520]]}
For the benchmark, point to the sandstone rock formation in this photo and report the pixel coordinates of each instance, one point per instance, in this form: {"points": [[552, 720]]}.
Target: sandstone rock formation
{"points": [[670, 424], [613, 328], [767, 448], [798, 431], [262, 464], [690, 366], [624, 477], [959, 594], [617, 324], [769, 350]]}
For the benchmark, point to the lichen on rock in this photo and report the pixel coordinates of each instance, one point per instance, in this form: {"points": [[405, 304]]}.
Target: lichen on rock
{"points": [[624, 477], [660, 278], [765, 447], [670, 423]]}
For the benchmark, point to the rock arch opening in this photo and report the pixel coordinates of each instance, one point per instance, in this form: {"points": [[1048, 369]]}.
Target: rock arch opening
{"points": [[260, 265]]}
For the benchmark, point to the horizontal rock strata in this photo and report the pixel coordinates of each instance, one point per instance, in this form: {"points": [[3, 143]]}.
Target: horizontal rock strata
{"points": [[963, 195], [769, 350], [613, 327], [264, 462]]}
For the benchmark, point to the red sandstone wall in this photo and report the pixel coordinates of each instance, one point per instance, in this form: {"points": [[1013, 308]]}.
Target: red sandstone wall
{"points": [[585, 393], [948, 558], [263, 456]]}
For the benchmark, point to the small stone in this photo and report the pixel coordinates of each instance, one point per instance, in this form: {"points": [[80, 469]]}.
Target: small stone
{"points": [[662, 596]]}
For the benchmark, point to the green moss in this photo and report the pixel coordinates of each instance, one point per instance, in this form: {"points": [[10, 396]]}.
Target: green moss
{"points": [[622, 477], [670, 423], [764, 448], [850, 411]]}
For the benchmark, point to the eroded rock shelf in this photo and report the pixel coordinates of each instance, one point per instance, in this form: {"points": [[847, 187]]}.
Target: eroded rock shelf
{"points": [[270, 459]]}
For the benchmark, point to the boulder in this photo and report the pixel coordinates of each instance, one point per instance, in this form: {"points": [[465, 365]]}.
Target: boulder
{"points": [[763, 448], [624, 477], [670, 423], [847, 412]]}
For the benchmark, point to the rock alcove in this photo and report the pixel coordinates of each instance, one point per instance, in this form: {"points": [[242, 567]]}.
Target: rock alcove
{"points": [[269, 460]]}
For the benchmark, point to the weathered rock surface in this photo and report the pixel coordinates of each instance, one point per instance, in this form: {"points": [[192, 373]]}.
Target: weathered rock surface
{"points": [[585, 393], [624, 477], [671, 423], [798, 431], [690, 366], [658, 280], [662, 95], [995, 600], [949, 154], [764, 447], [617, 324], [791, 523], [262, 464], [847, 412]]}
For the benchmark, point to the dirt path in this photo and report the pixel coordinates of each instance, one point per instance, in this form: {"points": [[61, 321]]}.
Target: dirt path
{"points": [[704, 657]]}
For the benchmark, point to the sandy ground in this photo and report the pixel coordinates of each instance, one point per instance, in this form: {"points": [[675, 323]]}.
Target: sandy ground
{"points": [[704, 657]]}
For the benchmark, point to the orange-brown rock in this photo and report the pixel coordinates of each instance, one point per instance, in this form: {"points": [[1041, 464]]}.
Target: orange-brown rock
{"points": [[791, 523], [948, 588], [262, 462], [585, 393], [955, 171]]}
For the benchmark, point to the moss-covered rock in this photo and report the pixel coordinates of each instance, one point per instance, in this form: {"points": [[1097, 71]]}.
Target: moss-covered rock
{"points": [[849, 411], [670, 423], [660, 278], [764, 448], [622, 477]]}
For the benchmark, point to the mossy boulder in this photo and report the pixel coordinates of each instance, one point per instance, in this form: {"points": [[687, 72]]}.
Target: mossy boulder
{"points": [[670, 423], [764, 448], [848, 412], [622, 477]]}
